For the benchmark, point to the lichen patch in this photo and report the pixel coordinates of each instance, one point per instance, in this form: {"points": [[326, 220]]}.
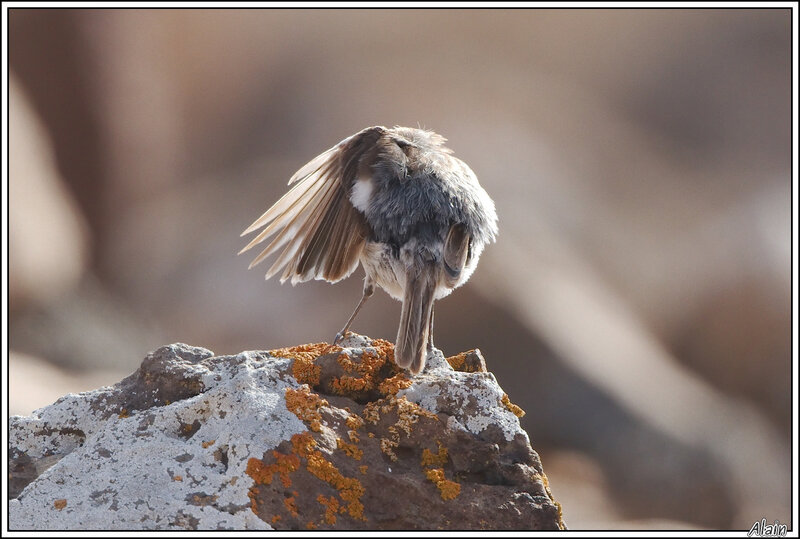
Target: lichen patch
{"points": [[351, 450], [304, 368], [305, 404], [448, 489], [434, 459], [510, 406]]}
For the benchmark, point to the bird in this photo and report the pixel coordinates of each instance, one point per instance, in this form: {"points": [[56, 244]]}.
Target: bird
{"points": [[396, 201]]}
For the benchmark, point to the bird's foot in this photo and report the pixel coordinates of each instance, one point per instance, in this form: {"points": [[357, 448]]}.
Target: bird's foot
{"points": [[337, 340]]}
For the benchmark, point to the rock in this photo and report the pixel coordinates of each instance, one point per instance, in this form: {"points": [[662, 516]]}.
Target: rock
{"points": [[311, 437]]}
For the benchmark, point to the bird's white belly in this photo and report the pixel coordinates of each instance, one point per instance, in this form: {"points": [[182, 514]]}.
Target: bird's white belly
{"points": [[390, 273], [387, 271]]}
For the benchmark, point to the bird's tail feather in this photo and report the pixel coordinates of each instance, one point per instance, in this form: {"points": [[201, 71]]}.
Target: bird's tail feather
{"points": [[412, 336]]}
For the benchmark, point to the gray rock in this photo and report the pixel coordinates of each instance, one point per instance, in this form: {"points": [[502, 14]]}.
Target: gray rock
{"points": [[310, 437]]}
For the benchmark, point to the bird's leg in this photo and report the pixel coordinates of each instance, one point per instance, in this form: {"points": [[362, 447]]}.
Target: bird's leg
{"points": [[369, 288], [431, 348]]}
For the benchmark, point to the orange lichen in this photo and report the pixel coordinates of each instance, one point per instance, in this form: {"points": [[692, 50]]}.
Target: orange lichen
{"points": [[345, 385], [253, 495], [371, 362], [351, 450], [345, 362], [208, 444], [60, 504], [546, 482], [124, 413], [275, 518], [350, 489], [305, 404], [306, 372], [407, 412], [304, 369], [392, 385], [368, 372], [543, 478], [351, 493], [284, 465], [513, 408], [388, 446], [354, 422], [371, 412], [302, 443], [311, 526], [384, 349], [310, 351], [431, 459], [365, 373], [434, 474], [560, 515], [457, 361], [362, 373], [331, 507], [291, 506], [177, 478], [448, 489]]}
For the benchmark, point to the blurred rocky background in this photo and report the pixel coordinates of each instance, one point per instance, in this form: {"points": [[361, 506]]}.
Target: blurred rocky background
{"points": [[637, 301]]}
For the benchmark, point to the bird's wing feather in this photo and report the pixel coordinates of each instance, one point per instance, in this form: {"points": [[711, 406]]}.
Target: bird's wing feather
{"points": [[456, 253], [315, 224]]}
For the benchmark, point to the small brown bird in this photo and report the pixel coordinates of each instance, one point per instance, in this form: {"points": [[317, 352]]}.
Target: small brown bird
{"points": [[395, 200]]}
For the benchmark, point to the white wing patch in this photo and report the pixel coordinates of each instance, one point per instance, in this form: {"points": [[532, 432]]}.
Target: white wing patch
{"points": [[361, 193]]}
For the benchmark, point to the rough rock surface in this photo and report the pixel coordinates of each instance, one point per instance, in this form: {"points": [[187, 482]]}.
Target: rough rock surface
{"points": [[310, 437]]}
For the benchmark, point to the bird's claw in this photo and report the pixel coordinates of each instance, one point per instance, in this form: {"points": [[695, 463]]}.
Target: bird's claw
{"points": [[337, 339]]}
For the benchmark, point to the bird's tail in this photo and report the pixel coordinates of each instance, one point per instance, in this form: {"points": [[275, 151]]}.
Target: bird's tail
{"points": [[412, 338]]}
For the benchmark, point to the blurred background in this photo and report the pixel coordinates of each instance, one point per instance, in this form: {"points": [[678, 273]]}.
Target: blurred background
{"points": [[637, 303]]}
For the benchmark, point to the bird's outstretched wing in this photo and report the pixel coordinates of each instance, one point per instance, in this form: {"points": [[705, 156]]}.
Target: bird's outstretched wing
{"points": [[319, 231]]}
